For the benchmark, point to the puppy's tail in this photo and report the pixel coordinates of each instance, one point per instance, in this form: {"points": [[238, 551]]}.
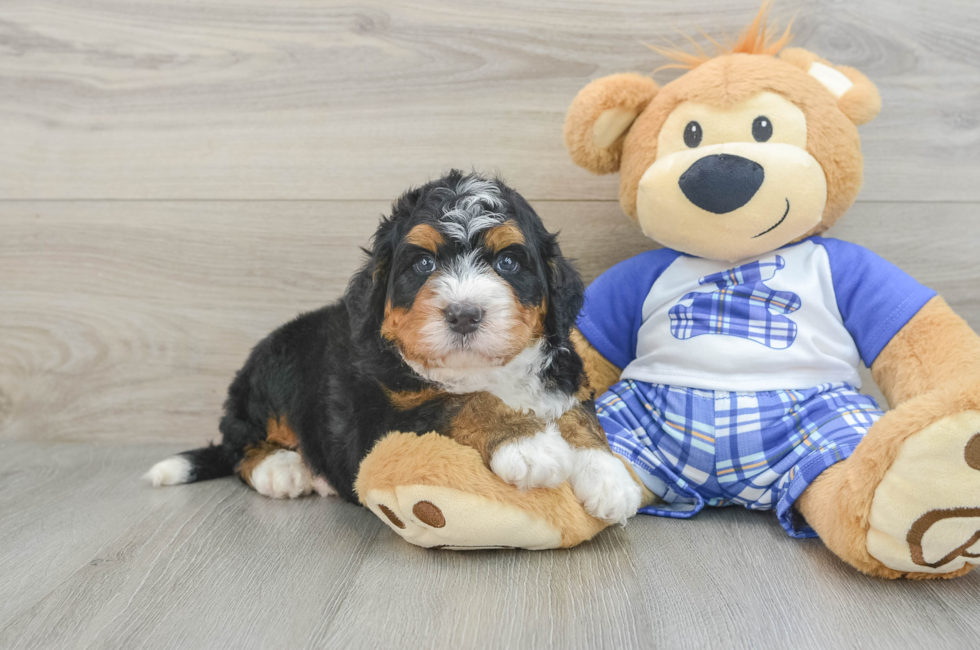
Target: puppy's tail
{"points": [[204, 464]]}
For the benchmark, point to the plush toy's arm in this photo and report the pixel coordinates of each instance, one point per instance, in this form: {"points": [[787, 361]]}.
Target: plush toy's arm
{"points": [[935, 348], [600, 373], [435, 492]]}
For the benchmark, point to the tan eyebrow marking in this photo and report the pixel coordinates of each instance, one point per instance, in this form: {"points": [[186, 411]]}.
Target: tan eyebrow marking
{"points": [[500, 237], [425, 236]]}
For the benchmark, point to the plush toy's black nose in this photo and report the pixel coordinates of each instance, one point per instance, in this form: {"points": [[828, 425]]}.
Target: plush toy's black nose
{"points": [[722, 182], [463, 317]]}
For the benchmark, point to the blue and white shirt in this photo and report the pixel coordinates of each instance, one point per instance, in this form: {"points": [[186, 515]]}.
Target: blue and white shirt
{"points": [[794, 318]]}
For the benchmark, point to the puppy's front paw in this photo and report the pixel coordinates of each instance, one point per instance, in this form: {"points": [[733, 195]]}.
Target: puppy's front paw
{"points": [[282, 475], [542, 460], [604, 486]]}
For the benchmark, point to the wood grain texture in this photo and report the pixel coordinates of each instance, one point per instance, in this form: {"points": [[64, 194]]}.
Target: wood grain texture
{"points": [[92, 559], [134, 316], [247, 569], [127, 320], [238, 99]]}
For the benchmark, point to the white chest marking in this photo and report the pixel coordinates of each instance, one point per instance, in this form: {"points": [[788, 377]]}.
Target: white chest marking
{"points": [[518, 383]]}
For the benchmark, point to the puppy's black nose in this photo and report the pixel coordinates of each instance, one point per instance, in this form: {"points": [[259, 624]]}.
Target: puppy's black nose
{"points": [[722, 182], [463, 317]]}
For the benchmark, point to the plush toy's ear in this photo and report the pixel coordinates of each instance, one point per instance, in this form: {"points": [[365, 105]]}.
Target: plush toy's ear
{"points": [[600, 116], [857, 97]]}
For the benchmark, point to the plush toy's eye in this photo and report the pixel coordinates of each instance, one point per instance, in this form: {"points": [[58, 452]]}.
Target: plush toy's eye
{"points": [[761, 128], [425, 265], [692, 134], [506, 264]]}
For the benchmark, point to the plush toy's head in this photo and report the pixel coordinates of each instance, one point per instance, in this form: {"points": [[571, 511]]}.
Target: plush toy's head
{"points": [[743, 154]]}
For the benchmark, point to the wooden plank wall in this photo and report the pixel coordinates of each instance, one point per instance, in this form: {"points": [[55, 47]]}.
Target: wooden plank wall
{"points": [[178, 177]]}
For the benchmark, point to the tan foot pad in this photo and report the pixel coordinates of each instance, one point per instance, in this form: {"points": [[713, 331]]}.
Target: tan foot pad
{"points": [[925, 517], [441, 517]]}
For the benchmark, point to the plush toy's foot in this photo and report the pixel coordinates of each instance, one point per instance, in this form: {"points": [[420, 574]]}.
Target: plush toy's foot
{"points": [[925, 516], [907, 501], [437, 493]]}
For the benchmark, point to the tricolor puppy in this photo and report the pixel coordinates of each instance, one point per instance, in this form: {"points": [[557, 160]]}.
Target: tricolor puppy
{"points": [[458, 323]]}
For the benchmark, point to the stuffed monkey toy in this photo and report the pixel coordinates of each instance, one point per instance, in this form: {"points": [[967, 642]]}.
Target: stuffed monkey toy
{"points": [[730, 355]]}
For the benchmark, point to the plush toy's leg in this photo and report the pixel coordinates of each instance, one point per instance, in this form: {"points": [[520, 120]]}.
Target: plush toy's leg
{"points": [[435, 492], [907, 501]]}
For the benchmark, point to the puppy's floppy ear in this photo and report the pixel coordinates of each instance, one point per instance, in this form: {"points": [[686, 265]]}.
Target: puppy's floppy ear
{"points": [[857, 97], [599, 117], [368, 290], [566, 293]]}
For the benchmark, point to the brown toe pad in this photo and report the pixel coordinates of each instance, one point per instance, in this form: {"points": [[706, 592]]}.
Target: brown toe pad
{"points": [[392, 517], [429, 513]]}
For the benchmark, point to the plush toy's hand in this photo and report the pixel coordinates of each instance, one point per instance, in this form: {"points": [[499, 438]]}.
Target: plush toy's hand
{"points": [[439, 517], [436, 493], [543, 460]]}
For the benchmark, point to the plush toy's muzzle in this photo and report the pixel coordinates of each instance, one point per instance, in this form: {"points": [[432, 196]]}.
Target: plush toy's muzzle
{"points": [[732, 200]]}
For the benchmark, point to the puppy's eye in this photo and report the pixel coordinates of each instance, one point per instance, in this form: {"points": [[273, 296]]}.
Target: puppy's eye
{"points": [[506, 264], [693, 134], [761, 128], [425, 265]]}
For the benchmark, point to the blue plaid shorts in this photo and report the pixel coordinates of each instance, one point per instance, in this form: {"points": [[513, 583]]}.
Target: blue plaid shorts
{"points": [[760, 450]]}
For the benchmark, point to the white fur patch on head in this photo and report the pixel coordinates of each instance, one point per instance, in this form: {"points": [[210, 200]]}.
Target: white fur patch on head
{"points": [[604, 486], [281, 475], [172, 471], [542, 460], [474, 211], [833, 80]]}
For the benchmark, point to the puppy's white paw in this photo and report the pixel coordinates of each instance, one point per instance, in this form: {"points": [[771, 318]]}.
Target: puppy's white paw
{"points": [[282, 475], [542, 460], [604, 486]]}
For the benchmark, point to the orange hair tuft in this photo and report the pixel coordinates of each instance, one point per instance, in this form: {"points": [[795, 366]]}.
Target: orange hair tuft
{"points": [[756, 38]]}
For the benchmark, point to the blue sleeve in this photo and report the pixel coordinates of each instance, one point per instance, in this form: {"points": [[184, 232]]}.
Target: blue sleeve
{"points": [[613, 311], [875, 298]]}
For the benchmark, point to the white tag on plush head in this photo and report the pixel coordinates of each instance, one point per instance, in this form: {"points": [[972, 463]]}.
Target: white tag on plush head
{"points": [[610, 125], [833, 80]]}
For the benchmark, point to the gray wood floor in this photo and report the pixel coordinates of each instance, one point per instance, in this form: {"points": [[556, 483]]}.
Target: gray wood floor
{"points": [[179, 176]]}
